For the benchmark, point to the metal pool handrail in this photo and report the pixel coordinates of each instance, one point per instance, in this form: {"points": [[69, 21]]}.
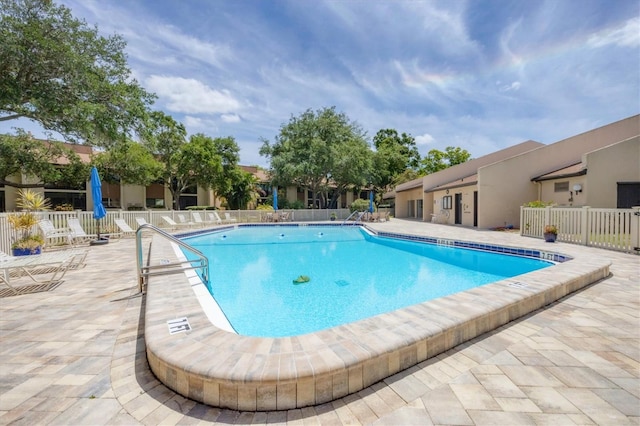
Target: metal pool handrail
{"points": [[145, 271], [360, 214]]}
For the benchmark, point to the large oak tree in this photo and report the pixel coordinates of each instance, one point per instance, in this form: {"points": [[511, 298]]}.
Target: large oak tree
{"points": [[43, 161], [58, 71], [319, 151]]}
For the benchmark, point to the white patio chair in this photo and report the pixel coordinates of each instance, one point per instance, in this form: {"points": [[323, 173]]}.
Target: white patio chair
{"points": [[46, 270], [229, 218], [124, 227], [50, 232], [173, 224], [141, 221], [182, 221], [79, 236], [197, 219], [214, 218]]}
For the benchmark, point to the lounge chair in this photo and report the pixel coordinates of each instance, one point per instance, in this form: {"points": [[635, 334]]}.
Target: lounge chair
{"points": [[182, 221], [79, 236], [284, 217], [197, 219], [50, 232], [46, 270], [229, 218], [124, 227], [141, 221], [215, 218], [173, 224]]}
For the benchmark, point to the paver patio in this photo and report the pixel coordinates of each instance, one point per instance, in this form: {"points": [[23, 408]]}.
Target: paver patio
{"points": [[75, 355]]}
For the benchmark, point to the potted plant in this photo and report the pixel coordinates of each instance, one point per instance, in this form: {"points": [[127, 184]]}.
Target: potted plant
{"points": [[26, 241], [550, 233], [333, 216]]}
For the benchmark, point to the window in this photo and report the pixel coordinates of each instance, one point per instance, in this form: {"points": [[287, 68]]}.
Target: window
{"points": [[154, 203], [561, 187], [446, 202]]}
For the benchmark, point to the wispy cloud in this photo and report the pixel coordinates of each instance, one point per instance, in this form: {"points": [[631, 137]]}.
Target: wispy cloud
{"points": [[190, 96], [626, 35], [481, 75]]}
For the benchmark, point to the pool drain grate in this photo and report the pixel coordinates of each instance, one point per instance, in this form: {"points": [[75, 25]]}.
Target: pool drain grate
{"points": [[178, 325]]}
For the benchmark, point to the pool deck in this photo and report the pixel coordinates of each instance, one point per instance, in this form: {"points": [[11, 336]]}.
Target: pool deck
{"points": [[76, 355]]}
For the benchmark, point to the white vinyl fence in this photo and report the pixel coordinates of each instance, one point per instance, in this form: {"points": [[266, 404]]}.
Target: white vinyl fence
{"points": [[154, 217], [613, 229]]}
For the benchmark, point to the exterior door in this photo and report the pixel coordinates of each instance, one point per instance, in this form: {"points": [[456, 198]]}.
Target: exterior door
{"points": [[628, 195], [458, 209], [475, 208]]}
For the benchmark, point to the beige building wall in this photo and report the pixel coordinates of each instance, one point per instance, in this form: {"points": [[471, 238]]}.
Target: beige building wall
{"points": [[567, 198], [605, 167], [132, 195], [452, 174], [448, 215], [505, 186], [406, 195]]}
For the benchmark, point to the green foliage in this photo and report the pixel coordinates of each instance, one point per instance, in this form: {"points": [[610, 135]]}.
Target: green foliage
{"points": [[265, 207], [537, 204], [23, 222], [242, 191], [359, 205], [128, 162], [200, 161], [57, 70], [22, 154], [319, 151], [437, 160], [295, 205], [395, 154], [200, 208], [406, 176]]}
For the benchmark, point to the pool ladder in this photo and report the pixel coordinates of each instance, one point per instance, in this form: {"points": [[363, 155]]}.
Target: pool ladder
{"points": [[145, 271], [358, 219]]}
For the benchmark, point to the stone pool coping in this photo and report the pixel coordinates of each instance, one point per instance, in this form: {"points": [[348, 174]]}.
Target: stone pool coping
{"points": [[222, 369]]}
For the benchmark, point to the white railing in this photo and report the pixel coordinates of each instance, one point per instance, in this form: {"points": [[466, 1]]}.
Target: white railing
{"points": [[613, 229], [154, 217]]}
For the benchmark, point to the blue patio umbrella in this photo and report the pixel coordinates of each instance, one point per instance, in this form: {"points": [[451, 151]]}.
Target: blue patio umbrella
{"points": [[275, 198], [370, 201], [96, 192]]}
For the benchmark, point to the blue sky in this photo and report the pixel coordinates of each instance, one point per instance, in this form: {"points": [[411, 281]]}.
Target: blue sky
{"points": [[481, 75]]}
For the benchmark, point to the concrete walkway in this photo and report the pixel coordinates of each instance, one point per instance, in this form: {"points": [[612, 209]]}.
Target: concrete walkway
{"points": [[75, 356]]}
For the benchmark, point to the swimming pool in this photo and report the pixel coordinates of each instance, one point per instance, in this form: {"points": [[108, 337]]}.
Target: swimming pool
{"points": [[208, 364], [352, 274]]}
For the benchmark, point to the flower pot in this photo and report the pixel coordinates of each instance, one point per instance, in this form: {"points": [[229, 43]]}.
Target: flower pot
{"points": [[549, 237], [26, 251]]}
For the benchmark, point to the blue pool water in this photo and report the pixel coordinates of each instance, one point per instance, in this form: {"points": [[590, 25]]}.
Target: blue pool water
{"points": [[353, 275]]}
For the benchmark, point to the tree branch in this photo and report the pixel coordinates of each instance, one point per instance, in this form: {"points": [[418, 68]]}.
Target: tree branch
{"points": [[11, 117], [21, 185]]}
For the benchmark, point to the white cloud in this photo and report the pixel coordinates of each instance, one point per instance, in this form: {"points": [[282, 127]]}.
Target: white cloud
{"points": [[230, 118], [199, 125], [515, 86], [191, 96], [627, 35], [425, 139]]}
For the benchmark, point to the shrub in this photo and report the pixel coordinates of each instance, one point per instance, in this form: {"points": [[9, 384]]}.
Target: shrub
{"points": [[537, 204], [359, 205]]}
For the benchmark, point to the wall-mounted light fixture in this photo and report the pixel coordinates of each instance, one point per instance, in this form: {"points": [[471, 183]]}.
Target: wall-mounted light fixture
{"points": [[577, 188]]}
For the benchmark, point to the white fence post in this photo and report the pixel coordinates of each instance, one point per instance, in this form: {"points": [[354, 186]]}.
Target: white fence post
{"points": [[585, 225], [547, 217], [635, 229]]}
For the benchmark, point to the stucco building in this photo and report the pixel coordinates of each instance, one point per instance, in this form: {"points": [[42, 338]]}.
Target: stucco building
{"points": [[599, 168]]}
